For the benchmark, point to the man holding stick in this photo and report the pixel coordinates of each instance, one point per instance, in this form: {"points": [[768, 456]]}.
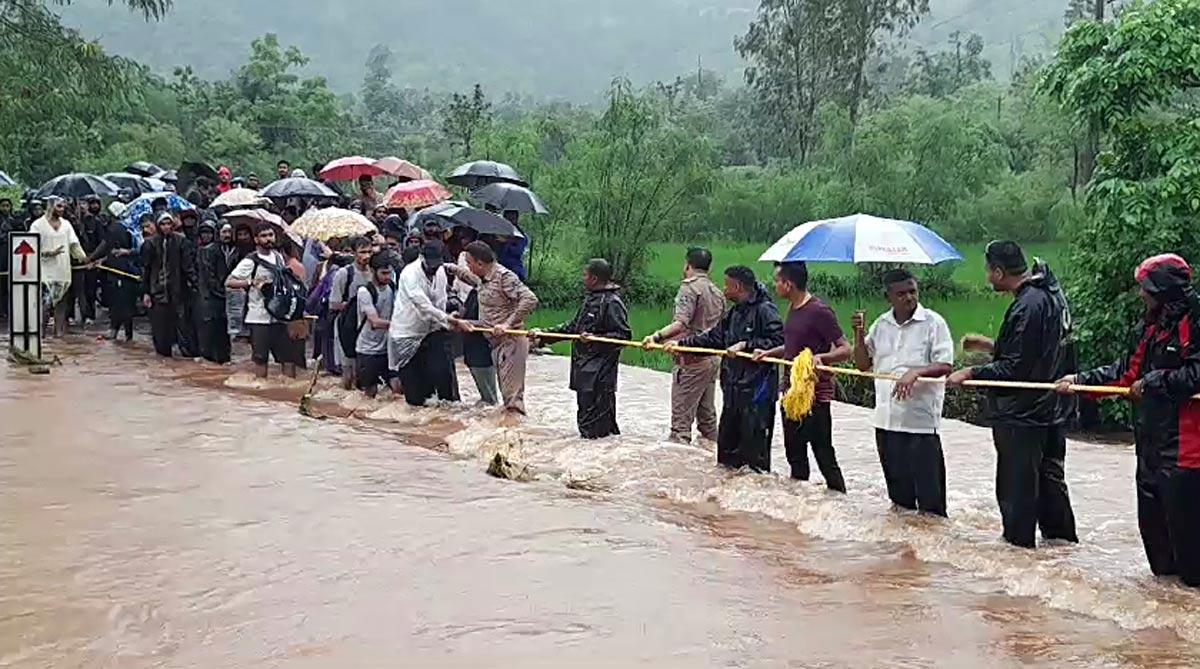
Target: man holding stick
{"points": [[1028, 428]]}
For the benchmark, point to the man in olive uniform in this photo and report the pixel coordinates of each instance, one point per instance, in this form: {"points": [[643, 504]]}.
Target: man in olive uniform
{"points": [[699, 306]]}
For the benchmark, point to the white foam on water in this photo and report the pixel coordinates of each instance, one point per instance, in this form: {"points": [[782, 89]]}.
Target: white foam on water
{"points": [[1103, 577]]}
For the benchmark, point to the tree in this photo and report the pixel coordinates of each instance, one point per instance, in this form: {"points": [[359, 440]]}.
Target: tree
{"points": [[465, 116], [856, 33], [946, 72], [630, 176], [379, 94], [1133, 80]]}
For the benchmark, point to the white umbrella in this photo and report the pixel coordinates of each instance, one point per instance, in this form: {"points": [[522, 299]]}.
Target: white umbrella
{"points": [[862, 238]]}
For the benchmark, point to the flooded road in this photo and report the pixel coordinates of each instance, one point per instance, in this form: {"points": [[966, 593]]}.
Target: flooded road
{"points": [[158, 515]]}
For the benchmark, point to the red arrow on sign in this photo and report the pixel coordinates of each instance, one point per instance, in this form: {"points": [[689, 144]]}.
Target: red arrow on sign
{"points": [[24, 250]]}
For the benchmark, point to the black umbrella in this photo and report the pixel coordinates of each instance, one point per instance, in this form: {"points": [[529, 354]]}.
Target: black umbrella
{"points": [[77, 185], [452, 214], [167, 176], [6, 180], [134, 183], [143, 168], [484, 172], [297, 187], [511, 197], [191, 172]]}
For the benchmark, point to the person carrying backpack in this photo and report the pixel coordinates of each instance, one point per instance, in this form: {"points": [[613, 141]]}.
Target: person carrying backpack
{"points": [[268, 282], [375, 301], [343, 306]]}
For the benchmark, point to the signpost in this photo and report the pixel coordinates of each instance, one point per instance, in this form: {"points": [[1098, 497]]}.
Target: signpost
{"points": [[25, 293]]}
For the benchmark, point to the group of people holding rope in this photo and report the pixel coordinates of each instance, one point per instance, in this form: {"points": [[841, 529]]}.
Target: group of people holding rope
{"points": [[402, 311]]}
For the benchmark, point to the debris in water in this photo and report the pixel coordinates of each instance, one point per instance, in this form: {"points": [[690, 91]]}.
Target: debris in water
{"points": [[502, 468]]}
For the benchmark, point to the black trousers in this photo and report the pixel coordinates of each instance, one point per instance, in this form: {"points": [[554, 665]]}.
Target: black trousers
{"points": [[84, 285], [164, 326], [1031, 487], [212, 331], [185, 327], [914, 469], [817, 431], [430, 372], [744, 436], [1169, 519], [596, 413]]}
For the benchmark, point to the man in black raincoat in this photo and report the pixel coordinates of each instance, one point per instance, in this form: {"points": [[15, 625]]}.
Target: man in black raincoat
{"points": [[168, 281], [593, 365], [212, 269], [749, 389], [1162, 372], [1028, 427]]}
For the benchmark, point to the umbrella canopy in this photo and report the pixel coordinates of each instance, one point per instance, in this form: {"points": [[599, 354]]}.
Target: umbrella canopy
{"points": [[402, 169], [453, 214], [6, 180], [239, 198], [862, 238], [134, 183], [297, 187], [254, 216], [510, 197], [167, 176], [325, 224], [483, 172], [145, 205], [415, 194], [191, 172], [143, 168], [350, 168], [78, 185]]}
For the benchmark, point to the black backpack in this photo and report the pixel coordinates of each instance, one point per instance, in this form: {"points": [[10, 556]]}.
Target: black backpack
{"points": [[286, 295]]}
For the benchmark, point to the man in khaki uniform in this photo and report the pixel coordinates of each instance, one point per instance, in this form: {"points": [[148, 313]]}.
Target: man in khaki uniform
{"points": [[699, 306], [504, 304]]}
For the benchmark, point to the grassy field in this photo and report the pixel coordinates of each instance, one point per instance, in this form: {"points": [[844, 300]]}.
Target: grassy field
{"points": [[977, 314]]}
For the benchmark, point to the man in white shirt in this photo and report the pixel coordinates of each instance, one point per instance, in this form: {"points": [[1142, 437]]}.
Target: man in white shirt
{"points": [[418, 337], [914, 343], [268, 336]]}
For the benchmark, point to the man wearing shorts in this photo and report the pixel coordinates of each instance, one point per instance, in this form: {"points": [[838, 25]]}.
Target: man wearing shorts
{"points": [[268, 337]]}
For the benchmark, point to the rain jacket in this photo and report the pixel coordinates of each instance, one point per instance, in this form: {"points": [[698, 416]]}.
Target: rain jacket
{"points": [[180, 278], [1165, 353], [1035, 344], [594, 366], [756, 322], [213, 268]]}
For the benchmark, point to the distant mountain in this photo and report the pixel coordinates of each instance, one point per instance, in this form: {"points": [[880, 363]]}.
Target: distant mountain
{"points": [[544, 48]]}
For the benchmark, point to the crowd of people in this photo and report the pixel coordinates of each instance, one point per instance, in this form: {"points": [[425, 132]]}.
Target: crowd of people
{"points": [[396, 309]]}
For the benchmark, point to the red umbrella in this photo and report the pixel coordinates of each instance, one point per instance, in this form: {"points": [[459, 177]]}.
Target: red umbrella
{"points": [[402, 169], [413, 195], [350, 169]]}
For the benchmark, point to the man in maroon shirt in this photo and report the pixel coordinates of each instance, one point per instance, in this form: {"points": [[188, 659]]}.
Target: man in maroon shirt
{"points": [[810, 324]]}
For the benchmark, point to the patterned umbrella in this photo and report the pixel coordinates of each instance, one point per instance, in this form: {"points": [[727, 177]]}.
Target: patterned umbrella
{"points": [[415, 194], [240, 198], [325, 224], [350, 169], [132, 215], [402, 169]]}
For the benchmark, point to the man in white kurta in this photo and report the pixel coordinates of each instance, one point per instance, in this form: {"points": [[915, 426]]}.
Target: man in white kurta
{"points": [[59, 245]]}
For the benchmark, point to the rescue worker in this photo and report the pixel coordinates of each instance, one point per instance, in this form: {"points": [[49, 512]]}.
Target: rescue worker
{"points": [[699, 305], [1162, 372], [594, 365], [1028, 428], [748, 389]]}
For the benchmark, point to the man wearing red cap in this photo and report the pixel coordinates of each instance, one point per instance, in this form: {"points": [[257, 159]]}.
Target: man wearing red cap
{"points": [[1163, 373], [224, 179]]}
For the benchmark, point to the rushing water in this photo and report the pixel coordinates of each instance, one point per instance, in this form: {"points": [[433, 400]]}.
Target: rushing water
{"points": [[162, 514]]}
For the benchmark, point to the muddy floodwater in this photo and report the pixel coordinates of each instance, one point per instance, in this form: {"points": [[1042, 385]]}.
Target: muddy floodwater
{"points": [[168, 514]]}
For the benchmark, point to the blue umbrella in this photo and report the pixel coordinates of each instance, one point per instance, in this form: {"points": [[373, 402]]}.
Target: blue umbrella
{"points": [[862, 238], [144, 205]]}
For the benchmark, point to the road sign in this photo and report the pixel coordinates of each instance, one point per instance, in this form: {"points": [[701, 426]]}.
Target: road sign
{"points": [[25, 292]]}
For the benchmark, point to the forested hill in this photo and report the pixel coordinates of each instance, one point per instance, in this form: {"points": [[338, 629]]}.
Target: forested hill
{"points": [[543, 48]]}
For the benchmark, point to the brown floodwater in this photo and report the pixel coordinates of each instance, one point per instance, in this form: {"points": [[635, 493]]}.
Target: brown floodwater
{"points": [[172, 514]]}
